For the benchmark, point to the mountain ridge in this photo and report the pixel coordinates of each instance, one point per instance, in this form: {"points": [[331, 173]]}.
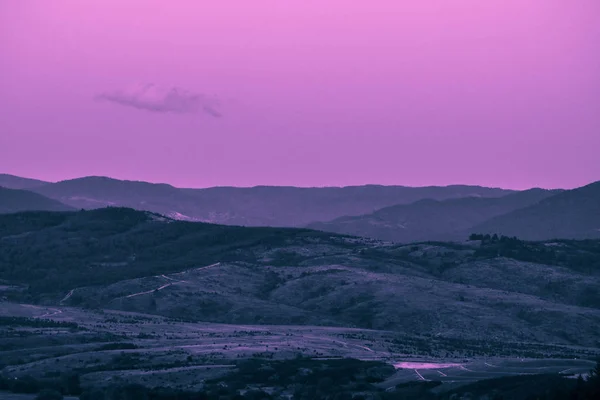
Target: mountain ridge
{"points": [[17, 200], [255, 206], [430, 219], [17, 182], [573, 213]]}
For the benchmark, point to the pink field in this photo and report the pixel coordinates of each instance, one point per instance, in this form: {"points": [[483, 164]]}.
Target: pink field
{"points": [[424, 365]]}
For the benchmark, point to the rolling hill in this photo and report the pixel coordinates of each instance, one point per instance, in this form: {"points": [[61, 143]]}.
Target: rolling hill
{"points": [[15, 200], [254, 206], [97, 192], [570, 214], [17, 182], [293, 206], [127, 260], [432, 219]]}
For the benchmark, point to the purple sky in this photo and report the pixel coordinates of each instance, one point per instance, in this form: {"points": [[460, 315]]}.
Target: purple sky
{"points": [[312, 93]]}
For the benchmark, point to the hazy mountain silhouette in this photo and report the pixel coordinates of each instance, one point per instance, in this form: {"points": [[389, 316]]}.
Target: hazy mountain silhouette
{"points": [[570, 214], [396, 213], [15, 200], [431, 219], [96, 192], [17, 182], [254, 206]]}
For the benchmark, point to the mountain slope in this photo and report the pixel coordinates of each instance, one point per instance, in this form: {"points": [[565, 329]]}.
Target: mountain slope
{"points": [[14, 200], [255, 206], [430, 219], [128, 260], [293, 206], [346, 295], [105, 245], [570, 214], [17, 182], [97, 192]]}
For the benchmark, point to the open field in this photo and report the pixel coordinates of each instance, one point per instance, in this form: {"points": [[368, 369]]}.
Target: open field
{"points": [[395, 299], [460, 373], [108, 346]]}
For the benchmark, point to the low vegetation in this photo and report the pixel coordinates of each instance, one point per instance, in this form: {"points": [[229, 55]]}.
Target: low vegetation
{"points": [[53, 252], [115, 303], [309, 379]]}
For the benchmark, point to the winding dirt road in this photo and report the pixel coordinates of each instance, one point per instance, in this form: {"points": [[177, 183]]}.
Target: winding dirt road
{"points": [[67, 296], [170, 280], [50, 311]]}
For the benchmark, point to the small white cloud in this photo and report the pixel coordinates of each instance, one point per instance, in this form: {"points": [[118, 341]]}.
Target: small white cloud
{"points": [[154, 98]]}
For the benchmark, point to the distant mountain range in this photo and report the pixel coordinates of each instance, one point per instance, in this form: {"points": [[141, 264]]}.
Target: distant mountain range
{"points": [[394, 213], [571, 214], [432, 219], [255, 206], [17, 182], [534, 214]]}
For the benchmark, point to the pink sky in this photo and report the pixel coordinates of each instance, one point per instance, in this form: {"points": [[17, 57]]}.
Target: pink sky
{"points": [[314, 93]]}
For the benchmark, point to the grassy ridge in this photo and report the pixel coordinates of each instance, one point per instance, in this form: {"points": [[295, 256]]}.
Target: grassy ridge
{"points": [[53, 252]]}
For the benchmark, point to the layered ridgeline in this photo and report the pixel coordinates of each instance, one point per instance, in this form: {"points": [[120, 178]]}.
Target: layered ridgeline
{"points": [[17, 182], [15, 200], [431, 219], [533, 214], [396, 213], [571, 214], [114, 258], [255, 206]]}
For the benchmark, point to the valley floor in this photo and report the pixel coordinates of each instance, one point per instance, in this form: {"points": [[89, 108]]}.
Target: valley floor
{"points": [[107, 346]]}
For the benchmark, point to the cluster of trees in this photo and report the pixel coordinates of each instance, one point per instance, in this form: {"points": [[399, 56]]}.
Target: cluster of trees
{"points": [[63, 384], [487, 238], [580, 255], [36, 322], [308, 379], [139, 392]]}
